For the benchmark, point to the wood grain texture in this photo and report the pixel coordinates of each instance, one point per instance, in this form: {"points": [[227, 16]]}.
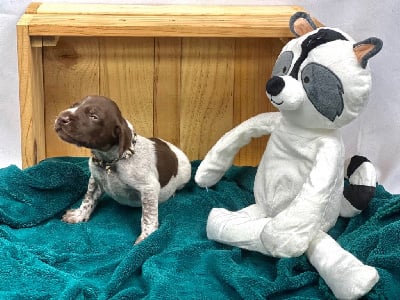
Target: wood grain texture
{"points": [[187, 74], [31, 94], [163, 10], [254, 61], [160, 20], [172, 26], [207, 93], [33, 8], [71, 72], [126, 76], [167, 88]]}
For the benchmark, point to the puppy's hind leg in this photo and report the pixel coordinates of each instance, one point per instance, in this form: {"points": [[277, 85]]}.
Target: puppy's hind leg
{"points": [[82, 214]]}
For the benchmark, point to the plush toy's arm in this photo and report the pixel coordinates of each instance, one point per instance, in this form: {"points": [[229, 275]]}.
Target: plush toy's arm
{"points": [[290, 232], [221, 155]]}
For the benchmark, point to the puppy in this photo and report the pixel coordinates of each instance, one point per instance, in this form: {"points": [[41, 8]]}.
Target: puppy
{"points": [[132, 169]]}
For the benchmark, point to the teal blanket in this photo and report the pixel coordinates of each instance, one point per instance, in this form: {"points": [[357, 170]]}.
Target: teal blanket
{"points": [[44, 258]]}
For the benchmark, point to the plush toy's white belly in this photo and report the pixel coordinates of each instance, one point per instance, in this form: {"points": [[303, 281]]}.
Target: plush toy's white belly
{"points": [[284, 167]]}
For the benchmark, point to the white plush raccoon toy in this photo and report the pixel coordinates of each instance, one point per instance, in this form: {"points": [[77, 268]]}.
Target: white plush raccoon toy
{"points": [[320, 83]]}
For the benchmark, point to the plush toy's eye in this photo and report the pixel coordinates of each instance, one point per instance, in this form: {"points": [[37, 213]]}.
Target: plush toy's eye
{"points": [[306, 79], [283, 64]]}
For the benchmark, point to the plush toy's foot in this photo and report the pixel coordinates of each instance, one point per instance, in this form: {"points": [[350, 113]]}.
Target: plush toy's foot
{"points": [[346, 276], [241, 229]]}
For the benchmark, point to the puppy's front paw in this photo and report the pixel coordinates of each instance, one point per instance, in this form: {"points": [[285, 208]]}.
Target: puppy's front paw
{"points": [[76, 216], [141, 238], [145, 233]]}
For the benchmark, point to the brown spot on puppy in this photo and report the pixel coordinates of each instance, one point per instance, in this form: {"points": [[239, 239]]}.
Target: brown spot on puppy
{"points": [[167, 162]]}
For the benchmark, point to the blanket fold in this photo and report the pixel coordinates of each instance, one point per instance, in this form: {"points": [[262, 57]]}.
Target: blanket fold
{"points": [[45, 258], [31, 196]]}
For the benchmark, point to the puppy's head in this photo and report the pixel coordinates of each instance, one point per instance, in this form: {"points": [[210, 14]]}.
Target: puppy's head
{"points": [[95, 123]]}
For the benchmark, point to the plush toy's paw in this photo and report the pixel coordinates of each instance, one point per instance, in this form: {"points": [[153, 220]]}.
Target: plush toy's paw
{"points": [[346, 276], [208, 175], [76, 215], [356, 282]]}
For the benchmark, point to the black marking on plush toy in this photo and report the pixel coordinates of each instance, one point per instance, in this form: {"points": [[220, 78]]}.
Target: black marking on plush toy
{"points": [[324, 89], [321, 37], [359, 196], [355, 162]]}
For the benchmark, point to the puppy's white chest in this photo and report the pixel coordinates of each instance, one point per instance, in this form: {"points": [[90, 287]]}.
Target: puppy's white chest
{"points": [[115, 187]]}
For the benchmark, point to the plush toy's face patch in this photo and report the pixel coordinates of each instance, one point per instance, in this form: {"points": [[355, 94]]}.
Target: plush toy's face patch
{"points": [[320, 79]]}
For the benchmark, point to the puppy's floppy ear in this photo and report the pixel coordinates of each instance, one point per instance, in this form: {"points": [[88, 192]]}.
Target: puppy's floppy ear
{"points": [[124, 134], [301, 23]]}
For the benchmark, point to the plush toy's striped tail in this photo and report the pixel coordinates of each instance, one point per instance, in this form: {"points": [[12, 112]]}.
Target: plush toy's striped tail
{"points": [[361, 188]]}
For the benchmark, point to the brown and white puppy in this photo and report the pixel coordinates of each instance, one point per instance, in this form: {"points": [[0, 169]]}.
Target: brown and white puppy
{"points": [[132, 169]]}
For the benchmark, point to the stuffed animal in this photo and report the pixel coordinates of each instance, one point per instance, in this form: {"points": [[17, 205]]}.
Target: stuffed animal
{"points": [[320, 83]]}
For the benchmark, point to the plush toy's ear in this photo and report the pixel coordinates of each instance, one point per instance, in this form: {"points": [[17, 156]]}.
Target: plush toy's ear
{"points": [[366, 49], [301, 23]]}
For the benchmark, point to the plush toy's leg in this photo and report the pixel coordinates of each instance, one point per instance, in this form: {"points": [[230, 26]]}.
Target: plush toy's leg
{"points": [[347, 277], [358, 194], [241, 228]]}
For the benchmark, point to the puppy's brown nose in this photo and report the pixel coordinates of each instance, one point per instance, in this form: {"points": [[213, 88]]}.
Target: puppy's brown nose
{"points": [[63, 120]]}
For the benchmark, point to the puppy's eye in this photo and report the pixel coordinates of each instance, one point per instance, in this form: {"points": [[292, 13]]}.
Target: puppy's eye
{"points": [[93, 117]]}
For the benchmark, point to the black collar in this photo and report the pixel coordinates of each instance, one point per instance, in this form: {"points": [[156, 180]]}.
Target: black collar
{"points": [[108, 164]]}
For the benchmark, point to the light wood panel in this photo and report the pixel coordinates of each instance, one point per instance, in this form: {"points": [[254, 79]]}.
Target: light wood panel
{"points": [[126, 76], [187, 74], [161, 10], [32, 99], [207, 93], [167, 88], [159, 20], [172, 26], [254, 60], [71, 72]]}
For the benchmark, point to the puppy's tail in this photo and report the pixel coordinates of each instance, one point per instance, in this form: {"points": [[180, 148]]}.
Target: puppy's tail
{"points": [[361, 188]]}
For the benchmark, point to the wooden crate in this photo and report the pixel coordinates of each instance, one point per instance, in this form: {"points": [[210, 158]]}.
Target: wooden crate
{"points": [[186, 74]]}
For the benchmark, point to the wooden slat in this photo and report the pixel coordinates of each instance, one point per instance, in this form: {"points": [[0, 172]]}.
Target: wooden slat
{"points": [[71, 72], [126, 76], [167, 88], [33, 8], [254, 61], [207, 93], [164, 10], [31, 95], [177, 26]]}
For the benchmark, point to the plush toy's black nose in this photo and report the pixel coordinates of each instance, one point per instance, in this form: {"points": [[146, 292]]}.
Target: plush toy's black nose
{"points": [[275, 85]]}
